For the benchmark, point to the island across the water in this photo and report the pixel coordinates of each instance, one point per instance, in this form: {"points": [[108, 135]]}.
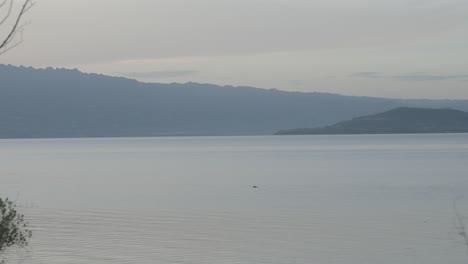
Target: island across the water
{"points": [[397, 121]]}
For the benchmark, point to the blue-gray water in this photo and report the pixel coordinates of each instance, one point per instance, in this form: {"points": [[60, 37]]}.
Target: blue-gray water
{"points": [[321, 199]]}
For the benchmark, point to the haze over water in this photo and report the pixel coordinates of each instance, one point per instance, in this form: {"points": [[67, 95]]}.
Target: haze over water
{"points": [[321, 199]]}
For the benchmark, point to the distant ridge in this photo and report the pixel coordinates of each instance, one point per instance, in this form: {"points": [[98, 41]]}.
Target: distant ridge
{"points": [[57, 103], [396, 121]]}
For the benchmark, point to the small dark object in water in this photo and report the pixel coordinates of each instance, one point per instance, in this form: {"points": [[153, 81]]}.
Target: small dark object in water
{"points": [[255, 187]]}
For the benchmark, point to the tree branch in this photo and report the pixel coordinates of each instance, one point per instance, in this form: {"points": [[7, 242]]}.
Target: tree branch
{"points": [[460, 225], [8, 13], [6, 44], [3, 3]]}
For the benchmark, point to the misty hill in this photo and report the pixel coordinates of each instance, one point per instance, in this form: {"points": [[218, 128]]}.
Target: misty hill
{"points": [[399, 120], [68, 103]]}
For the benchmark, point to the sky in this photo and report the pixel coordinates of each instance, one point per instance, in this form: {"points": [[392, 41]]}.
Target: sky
{"points": [[384, 48]]}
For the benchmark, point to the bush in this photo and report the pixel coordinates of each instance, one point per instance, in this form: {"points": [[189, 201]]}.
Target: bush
{"points": [[14, 230]]}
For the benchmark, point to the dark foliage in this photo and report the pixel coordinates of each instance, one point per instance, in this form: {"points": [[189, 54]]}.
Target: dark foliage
{"points": [[13, 228]]}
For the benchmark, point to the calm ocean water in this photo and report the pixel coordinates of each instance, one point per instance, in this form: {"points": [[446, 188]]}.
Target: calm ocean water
{"points": [[321, 199]]}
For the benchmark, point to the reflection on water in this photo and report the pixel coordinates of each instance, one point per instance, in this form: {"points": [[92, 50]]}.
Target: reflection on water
{"points": [[337, 199]]}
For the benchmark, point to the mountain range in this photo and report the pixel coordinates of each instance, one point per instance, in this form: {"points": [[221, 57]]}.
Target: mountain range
{"points": [[54, 103]]}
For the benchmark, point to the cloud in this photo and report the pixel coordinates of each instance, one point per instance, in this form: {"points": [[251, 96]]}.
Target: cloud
{"points": [[372, 75], [428, 77], [414, 77], [160, 74], [177, 59]]}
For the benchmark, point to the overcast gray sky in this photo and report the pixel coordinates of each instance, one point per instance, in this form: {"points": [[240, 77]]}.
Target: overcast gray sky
{"points": [[386, 48]]}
